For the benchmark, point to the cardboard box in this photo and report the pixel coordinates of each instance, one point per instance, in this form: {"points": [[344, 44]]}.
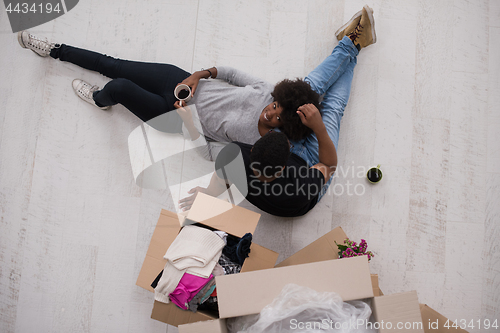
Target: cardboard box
{"points": [[398, 311], [392, 308], [216, 214], [324, 248], [314, 266], [261, 287], [211, 326]]}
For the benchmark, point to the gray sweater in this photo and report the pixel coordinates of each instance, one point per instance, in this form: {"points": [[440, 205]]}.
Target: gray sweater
{"points": [[229, 106]]}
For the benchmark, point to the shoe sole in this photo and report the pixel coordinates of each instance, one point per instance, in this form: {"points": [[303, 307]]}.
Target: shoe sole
{"points": [[369, 11], [342, 28], [20, 39]]}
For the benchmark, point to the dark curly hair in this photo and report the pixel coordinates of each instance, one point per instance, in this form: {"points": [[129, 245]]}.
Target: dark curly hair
{"points": [[269, 154], [290, 95]]}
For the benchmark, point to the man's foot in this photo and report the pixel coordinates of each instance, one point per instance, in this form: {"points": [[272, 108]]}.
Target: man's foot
{"points": [[35, 44], [364, 33], [85, 91], [349, 26]]}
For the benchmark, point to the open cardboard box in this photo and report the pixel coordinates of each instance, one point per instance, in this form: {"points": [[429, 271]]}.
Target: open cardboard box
{"points": [[211, 212], [314, 267]]}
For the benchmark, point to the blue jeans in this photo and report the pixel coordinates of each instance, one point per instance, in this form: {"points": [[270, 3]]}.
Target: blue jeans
{"points": [[332, 79]]}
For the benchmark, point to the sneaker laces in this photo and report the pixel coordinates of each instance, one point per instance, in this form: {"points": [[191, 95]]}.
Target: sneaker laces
{"points": [[87, 90], [356, 33], [40, 44]]}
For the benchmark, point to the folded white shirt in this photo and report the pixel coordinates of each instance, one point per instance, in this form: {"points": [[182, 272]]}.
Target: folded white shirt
{"points": [[195, 248]]}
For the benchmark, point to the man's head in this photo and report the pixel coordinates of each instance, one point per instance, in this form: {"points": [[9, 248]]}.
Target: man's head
{"points": [[290, 95], [269, 155]]}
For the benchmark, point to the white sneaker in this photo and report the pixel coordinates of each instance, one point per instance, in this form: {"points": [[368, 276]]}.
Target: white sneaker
{"points": [[35, 44], [85, 91]]}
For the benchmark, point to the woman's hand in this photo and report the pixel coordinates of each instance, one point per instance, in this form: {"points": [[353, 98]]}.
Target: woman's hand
{"points": [[184, 112], [186, 203], [192, 81], [311, 117]]}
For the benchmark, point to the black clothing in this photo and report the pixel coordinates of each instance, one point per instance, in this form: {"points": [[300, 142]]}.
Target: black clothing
{"points": [[293, 193], [146, 89]]}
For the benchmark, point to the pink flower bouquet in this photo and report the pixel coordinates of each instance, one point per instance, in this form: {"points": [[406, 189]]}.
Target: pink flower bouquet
{"points": [[351, 249]]}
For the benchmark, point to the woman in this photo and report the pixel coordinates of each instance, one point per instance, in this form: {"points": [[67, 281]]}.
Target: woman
{"points": [[236, 107]]}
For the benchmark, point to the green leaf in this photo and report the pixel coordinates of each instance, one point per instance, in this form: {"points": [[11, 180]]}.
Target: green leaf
{"points": [[342, 247]]}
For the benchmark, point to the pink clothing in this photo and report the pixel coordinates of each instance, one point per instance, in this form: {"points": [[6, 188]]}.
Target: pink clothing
{"points": [[188, 287]]}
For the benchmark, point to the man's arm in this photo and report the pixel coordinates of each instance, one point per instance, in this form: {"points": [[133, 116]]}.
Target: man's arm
{"points": [[217, 187], [311, 117]]}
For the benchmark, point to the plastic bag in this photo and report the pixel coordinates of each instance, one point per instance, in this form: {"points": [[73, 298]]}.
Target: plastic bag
{"points": [[301, 309]]}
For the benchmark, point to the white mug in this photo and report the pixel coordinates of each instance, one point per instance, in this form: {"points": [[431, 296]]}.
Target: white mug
{"points": [[182, 88]]}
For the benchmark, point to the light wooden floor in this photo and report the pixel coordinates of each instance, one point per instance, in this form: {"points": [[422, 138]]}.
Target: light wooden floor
{"points": [[424, 104]]}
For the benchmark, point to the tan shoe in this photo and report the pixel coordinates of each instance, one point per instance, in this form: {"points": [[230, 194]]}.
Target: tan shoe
{"points": [[364, 33], [349, 26]]}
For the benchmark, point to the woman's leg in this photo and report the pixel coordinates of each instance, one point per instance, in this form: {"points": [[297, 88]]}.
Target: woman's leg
{"points": [[146, 89], [153, 77]]}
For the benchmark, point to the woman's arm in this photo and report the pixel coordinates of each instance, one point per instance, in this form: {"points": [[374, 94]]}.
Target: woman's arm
{"points": [[237, 77], [193, 79]]}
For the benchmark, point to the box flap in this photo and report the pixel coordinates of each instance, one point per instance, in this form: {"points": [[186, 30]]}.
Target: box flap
{"points": [[434, 321], [210, 326], [349, 277], [259, 258], [376, 289], [324, 248], [172, 315], [398, 309], [165, 232], [222, 215]]}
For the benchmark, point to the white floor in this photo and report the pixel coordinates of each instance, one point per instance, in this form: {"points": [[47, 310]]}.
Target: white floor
{"points": [[424, 104]]}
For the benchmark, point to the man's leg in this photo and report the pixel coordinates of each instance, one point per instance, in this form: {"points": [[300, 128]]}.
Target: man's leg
{"points": [[332, 78], [332, 68]]}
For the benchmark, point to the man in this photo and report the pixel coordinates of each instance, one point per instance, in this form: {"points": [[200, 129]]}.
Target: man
{"points": [[286, 178]]}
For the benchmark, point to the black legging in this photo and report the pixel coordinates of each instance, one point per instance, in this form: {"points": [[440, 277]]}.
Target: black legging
{"points": [[146, 89]]}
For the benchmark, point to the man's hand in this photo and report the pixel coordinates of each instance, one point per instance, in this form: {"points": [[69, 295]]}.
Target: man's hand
{"points": [[186, 203], [311, 117]]}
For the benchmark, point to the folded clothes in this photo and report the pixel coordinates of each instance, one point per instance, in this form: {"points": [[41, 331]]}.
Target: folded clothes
{"points": [[210, 305], [201, 296], [221, 234], [189, 286], [168, 282], [237, 249], [218, 270], [193, 247], [229, 266]]}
